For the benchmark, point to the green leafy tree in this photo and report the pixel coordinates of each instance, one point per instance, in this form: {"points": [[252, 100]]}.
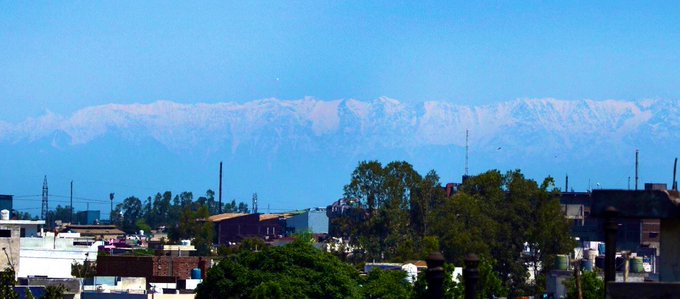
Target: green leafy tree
{"points": [[54, 292], [281, 272], [193, 225], [397, 203], [28, 294], [132, 211], [83, 270], [592, 286], [8, 283], [141, 225], [386, 285]]}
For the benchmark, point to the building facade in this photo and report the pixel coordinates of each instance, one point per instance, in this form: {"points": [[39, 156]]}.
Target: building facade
{"points": [[314, 221], [235, 227]]}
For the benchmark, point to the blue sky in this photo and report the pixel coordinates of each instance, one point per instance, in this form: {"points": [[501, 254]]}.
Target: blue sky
{"points": [[66, 56], [63, 56]]}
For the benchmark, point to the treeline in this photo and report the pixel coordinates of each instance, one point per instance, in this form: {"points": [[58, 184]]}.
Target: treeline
{"points": [[511, 221], [165, 210]]}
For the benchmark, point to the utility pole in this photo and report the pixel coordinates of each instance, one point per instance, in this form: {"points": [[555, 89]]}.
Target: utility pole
{"points": [[220, 196], [111, 214], [71, 216]]}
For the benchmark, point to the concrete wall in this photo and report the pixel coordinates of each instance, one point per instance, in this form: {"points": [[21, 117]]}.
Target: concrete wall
{"points": [[45, 257], [11, 245]]}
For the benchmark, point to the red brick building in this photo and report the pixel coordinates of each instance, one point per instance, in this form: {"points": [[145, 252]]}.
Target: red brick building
{"points": [[154, 268]]}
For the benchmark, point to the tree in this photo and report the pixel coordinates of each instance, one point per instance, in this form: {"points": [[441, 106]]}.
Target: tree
{"points": [[54, 292], [194, 225], [281, 272], [592, 287], [398, 204], [7, 284], [386, 285], [520, 212], [60, 213], [83, 270], [132, 211]]}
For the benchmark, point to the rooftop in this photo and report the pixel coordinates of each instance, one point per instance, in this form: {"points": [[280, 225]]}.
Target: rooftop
{"points": [[25, 222]]}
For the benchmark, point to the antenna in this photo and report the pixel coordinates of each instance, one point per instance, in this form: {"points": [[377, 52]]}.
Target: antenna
{"points": [[675, 169], [254, 203], [220, 196], [636, 169], [467, 148], [45, 192]]}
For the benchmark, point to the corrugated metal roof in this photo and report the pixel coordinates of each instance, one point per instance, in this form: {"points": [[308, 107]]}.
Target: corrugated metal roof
{"points": [[225, 216]]}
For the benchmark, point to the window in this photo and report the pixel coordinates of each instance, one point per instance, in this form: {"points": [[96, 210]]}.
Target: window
{"points": [[5, 233]]}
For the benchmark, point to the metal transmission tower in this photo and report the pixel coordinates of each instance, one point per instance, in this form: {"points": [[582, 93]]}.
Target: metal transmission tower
{"points": [[43, 213], [254, 203]]}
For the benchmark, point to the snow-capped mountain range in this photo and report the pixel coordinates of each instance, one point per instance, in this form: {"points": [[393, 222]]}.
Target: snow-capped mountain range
{"points": [[595, 139], [311, 124]]}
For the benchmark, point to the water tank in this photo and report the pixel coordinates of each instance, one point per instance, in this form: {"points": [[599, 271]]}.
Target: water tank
{"points": [[195, 273], [636, 265], [561, 262], [600, 248], [587, 265], [4, 215]]}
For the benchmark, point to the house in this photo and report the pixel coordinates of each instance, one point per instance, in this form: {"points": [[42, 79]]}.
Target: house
{"points": [[632, 235], [313, 220], [234, 227]]}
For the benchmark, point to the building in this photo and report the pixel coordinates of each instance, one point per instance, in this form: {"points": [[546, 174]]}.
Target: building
{"points": [[235, 227], [9, 242], [98, 232], [153, 268], [11, 232], [314, 221], [51, 256], [633, 234], [90, 217]]}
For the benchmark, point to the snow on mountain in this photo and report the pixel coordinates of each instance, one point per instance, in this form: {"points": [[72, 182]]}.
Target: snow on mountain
{"points": [[350, 125]]}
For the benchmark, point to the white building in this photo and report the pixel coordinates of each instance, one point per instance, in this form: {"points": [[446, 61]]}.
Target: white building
{"points": [[52, 257]]}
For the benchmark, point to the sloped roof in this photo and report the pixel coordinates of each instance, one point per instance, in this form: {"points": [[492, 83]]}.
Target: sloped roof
{"points": [[95, 229], [269, 216], [225, 216], [263, 217]]}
